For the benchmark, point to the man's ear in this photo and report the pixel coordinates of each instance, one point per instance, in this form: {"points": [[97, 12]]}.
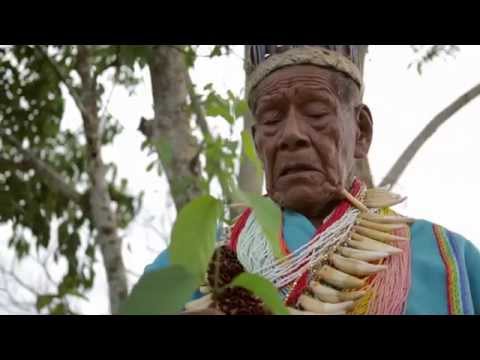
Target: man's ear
{"points": [[253, 130], [364, 131]]}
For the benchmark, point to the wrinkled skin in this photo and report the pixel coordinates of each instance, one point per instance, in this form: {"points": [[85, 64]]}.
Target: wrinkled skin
{"points": [[308, 138]]}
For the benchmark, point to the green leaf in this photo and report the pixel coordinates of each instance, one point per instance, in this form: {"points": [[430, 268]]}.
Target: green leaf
{"points": [[162, 292], [43, 300], [217, 51], [60, 309], [190, 56], [194, 235], [80, 295], [230, 95], [62, 233], [241, 108], [264, 289], [217, 106], [150, 166], [145, 143], [130, 54], [268, 215], [249, 150]]}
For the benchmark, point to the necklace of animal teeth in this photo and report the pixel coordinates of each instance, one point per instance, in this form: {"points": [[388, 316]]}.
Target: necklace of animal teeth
{"points": [[339, 275], [342, 279]]}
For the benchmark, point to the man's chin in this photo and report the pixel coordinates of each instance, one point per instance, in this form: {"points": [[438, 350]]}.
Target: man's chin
{"points": [[303, 201]]}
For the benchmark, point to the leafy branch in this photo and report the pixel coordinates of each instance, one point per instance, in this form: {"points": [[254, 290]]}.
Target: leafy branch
{"points": [[48, 174], [65, 79]]}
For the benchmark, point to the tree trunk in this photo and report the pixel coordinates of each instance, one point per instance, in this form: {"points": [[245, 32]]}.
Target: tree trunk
{"points": [[362, 166], [171, 132], [248, 179], [103, 217]]}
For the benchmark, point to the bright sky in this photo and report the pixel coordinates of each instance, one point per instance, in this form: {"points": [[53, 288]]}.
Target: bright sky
{"points": [[440, 182]]}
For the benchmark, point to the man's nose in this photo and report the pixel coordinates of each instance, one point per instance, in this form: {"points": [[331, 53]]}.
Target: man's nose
{"points": [[294, 136]]}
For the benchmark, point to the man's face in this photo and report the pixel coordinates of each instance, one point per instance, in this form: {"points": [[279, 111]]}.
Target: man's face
{"points": [[307, 138]]}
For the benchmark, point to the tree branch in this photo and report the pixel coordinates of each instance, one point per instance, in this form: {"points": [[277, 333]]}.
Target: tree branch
{"points": [[64, 79], [44, 265], [404, 160], [202, 123], [23, 307], [197, 107], [104, 219], [12, 305], [248, 179], [19, 281], [51, 178]]}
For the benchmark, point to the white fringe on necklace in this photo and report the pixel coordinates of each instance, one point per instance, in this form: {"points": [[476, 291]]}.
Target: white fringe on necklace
{"points": [[256, 256]]}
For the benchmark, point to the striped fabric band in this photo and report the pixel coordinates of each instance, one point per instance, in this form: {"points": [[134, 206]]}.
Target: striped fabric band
{"points": [[457, 285]]}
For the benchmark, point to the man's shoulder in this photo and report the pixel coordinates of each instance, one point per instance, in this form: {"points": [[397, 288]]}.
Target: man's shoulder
{"points": [[161, 261], [422, 230]]}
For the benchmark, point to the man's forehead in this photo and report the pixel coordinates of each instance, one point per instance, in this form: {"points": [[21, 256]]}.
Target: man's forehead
{"points": [[298, 91], [302, 80]]}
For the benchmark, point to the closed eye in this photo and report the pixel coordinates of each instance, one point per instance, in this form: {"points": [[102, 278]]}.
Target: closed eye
{"points": [[317, 114], [314, 109], [270, 117], [272, 122]]}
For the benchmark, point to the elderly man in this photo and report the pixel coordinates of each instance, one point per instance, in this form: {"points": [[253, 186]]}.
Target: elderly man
{"points": [[344, 250]]}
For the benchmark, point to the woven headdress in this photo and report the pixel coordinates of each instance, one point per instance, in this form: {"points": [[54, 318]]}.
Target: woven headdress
{"points": [[262, 60]]}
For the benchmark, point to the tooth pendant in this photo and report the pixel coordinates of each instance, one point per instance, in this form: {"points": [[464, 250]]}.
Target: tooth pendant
{"points": [[379, 198], [355, 267], [311, 304], [293, 311], [338, 278], [377, 235], [330, 295], [199, 304], [205, 290], [378, 226], [360, 242], [388, 219], [363, 255]]}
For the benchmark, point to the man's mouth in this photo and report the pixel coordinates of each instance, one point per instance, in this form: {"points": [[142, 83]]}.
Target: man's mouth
{"points": [[297, 169]]}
